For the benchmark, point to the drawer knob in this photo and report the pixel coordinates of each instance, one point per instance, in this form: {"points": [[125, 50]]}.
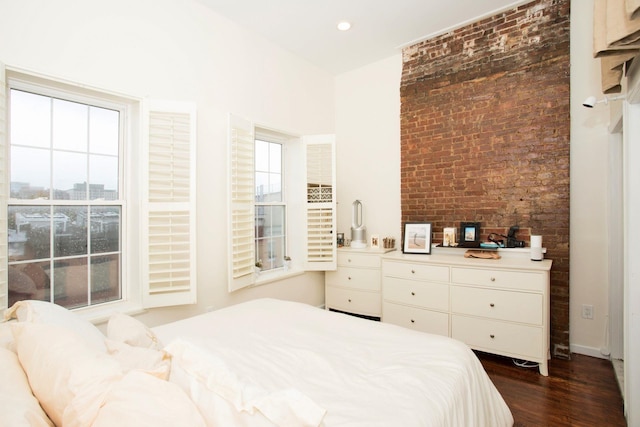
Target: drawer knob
{"points": [[349, 299], [349, 278], [492, 305], [492, 336], [413, 321], [349, 260], [413, 272], [413, 293], [493, 279]]}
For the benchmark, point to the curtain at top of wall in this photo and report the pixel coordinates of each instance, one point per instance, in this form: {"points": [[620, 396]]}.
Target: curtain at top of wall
{"points": [[616, 38]]}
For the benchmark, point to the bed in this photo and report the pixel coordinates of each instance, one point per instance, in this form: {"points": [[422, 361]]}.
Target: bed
{"points": [[265, 362]]}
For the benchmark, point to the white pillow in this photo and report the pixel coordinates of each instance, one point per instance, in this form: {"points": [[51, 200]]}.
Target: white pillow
{"points": [[142, 400], [45, 312], [67, 376], [19, 407], [225, 399], [154, 362], [6, 336], [126, 329]]}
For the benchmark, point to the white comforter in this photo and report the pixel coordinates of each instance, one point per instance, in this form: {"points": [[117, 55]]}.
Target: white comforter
{"points": [[354, 371]]}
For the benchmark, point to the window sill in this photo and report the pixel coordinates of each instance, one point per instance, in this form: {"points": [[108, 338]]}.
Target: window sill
{"points": [[273, 276], [101, 313]]}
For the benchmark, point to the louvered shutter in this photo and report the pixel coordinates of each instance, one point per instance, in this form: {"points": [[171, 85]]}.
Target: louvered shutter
{"points": [[241, 201], [321, 202], [4, 190], [169, 189]]}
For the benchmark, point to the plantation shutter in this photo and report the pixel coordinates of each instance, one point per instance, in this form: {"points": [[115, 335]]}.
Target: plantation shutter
{"points": [[241, 201], [4, 191], [321, 202], [169, 190]]}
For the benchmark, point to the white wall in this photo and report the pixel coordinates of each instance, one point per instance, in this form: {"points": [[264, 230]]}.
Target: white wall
{"points": [[589, 243], [179, 50], [632, 248], [368, 146]]}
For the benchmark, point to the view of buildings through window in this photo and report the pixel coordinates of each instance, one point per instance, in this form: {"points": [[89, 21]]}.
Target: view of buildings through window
{"points": [[65, 208], [270, 230]]}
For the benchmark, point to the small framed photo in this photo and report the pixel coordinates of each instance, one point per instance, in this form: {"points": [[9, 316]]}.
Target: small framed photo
{"points": [[417, 238], [449, 236], [470, 234], [374, 241]]}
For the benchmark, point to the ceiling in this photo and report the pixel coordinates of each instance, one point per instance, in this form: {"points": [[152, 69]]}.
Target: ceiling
{"points": [[380, 28]]}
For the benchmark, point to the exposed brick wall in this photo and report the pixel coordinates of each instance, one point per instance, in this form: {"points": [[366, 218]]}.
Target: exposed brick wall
{"points": [[485, 134]]}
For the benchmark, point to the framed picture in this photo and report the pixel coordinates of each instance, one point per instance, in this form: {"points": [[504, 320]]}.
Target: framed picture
{"points": [[417, 238], [375, 241], [470, 234]]}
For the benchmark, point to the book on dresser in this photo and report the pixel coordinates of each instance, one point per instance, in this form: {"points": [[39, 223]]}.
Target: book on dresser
{"points": [[498, 306], [355, 286]]}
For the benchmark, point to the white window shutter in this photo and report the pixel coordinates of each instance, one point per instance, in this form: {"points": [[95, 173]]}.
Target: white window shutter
{"points": [[4, 190], [241, 196], [169, 210], [321, 246]]}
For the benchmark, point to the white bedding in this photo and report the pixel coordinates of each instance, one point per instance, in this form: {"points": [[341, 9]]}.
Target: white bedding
{"points": [[346, 370]]}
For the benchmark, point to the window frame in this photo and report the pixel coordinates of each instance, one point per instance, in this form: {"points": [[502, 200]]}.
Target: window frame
{"points": [[55, 88], [241, 205], [141, 134], [272, 137]]}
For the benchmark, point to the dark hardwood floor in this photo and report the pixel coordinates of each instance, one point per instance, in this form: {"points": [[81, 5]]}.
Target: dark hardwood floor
{"points": [[582, 391]]}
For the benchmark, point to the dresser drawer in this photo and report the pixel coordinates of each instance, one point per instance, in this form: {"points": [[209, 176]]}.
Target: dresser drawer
{"points": [[353, 301], [356, 278], [421, 294], [358, 260], [519, 307], [436, 273], [525, 280], [417, 319], [493, 336]]}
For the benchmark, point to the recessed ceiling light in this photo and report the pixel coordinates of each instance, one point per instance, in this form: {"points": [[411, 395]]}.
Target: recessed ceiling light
{"points": [[344, 25]]}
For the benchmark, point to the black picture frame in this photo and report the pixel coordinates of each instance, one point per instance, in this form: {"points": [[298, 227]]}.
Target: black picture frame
{"points": [[469, 234], [417, 238]]}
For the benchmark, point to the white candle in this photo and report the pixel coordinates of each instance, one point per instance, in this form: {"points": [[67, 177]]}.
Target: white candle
{"points": [[536, 241], [536, 248]]}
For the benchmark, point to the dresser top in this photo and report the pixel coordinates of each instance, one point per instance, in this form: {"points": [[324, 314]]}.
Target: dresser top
{"points": [[516, 260], [367, 250]]}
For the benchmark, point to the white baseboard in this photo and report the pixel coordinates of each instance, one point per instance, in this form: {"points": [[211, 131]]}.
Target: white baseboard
{"points": [[587, 351]]}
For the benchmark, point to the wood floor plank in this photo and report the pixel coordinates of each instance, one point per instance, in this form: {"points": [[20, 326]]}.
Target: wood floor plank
{"points": [[579, 392]]}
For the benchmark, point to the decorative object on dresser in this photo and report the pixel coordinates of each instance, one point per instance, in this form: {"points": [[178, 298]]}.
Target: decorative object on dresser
{"points": [[358, 229], [449, 236], [354, 287], [475, 253], [417, 238], [469, 235], [498, 306], [536, 248]]}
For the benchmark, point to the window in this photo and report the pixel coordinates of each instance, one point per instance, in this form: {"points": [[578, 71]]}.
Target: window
{"points": [[65, 207], [279, 182], [271, 210], [99, 206]]}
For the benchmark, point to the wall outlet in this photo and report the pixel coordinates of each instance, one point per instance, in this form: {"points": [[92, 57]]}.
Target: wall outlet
{"points": [[587, 311]]}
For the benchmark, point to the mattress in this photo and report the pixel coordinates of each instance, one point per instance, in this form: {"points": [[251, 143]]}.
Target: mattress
{"points": [[355, 371]]}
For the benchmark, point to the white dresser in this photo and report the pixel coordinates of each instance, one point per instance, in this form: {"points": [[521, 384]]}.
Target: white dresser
{"points": [[355, 286], [496, 306]]}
